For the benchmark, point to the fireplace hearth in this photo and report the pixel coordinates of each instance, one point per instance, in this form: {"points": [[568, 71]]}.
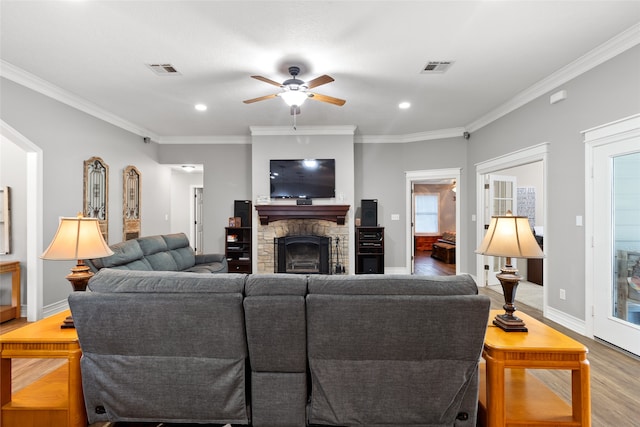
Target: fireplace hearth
{"points": [[302, 254]]}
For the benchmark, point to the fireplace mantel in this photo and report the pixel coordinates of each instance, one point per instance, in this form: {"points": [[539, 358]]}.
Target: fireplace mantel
{"points": [[336, 213]]}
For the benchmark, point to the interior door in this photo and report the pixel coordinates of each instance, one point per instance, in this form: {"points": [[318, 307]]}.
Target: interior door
{"points": [[413, 227], [500, 197], [616, 224], [197, 220]]}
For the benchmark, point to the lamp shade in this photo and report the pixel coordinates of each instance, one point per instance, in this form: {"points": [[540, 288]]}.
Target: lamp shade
{"points": [[77, 238], [510, 236]]}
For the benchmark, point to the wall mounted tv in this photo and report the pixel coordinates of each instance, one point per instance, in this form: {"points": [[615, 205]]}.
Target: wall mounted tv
{"points": [[303, 179]]}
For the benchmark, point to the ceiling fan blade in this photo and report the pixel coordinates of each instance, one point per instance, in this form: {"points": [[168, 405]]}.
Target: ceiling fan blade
{"points": [[295, 110], [262, 98], [266, 80], [325, 98], [319, 81]]}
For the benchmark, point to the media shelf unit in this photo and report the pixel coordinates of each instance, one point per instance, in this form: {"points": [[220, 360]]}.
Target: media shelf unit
{"points": [[237, 249], [369, 250]]}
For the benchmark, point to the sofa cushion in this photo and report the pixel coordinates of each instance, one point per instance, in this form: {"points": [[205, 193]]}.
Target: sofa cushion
{"points": [[180, 250], [390, 284], [392, 359], [157, 253], [127, 255], [112, 280]]}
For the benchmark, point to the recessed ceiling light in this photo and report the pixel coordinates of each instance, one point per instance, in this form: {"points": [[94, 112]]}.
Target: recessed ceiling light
{"points": [[201, 107], [404, 105], [188, 168]]}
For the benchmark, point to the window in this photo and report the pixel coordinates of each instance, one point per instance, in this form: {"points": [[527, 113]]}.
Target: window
{"points": [[427, 213]]}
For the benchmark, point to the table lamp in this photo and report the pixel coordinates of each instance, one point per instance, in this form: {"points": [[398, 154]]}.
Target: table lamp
{"points": [[511, 237], [77, 238]]}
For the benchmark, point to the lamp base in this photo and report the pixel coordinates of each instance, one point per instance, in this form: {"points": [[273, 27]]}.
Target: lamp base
{"points": [[509, 323], [79, 278], [509, 280]]}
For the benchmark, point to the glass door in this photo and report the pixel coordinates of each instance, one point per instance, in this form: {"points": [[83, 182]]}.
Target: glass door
{"points": [[616, 200], [500, 197]]}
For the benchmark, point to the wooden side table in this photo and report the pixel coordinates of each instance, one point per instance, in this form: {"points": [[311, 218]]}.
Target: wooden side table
{"points": [[510, 396], [55, 399], [8, 312]]}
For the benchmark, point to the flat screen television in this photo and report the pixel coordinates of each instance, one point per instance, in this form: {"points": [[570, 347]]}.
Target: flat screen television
{"points": [[303, 179]]}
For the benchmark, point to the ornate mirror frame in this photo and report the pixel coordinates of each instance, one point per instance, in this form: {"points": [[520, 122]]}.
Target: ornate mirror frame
{"points": [[95, 200], [131, 197]]}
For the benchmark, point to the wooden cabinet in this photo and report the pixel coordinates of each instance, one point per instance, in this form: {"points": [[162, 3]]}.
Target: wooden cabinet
{"points": [[238, 249], [369, 250], [8, 312]]}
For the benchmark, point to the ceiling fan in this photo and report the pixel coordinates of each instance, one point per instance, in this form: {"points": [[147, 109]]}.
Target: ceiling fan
{"points": [[295, 91]]}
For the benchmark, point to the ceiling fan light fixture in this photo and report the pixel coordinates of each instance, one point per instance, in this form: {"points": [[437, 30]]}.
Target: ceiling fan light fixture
{"points": [[294, 97]]}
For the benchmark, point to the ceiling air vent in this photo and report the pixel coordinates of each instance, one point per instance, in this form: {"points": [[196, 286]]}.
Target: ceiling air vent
{"points": [[163, 69], [436, 67]]}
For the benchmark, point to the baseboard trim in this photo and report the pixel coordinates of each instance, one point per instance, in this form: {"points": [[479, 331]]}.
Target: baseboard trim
{"points": [[569, 322]]}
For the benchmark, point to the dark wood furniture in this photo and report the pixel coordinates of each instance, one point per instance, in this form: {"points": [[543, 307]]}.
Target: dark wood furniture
{"points": [[237, 249], [369, 250], [444, 252], [425, 243]]}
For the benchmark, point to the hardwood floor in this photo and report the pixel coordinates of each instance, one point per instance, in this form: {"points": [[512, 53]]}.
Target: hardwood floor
{"points": [[615, 375], [424, 265]]}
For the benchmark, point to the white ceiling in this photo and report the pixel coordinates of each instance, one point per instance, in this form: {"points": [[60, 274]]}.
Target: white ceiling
{"points": [[504, 52]]}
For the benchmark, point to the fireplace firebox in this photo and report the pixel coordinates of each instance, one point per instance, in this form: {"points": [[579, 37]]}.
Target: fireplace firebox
{"points": [[302, 254]]}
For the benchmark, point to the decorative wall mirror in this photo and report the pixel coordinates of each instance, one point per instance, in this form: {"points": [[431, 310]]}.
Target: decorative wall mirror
{"points": [[131, 203], [5, 220], [96, 193]]}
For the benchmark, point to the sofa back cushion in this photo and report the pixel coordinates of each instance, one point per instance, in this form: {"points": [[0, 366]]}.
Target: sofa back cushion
{"points": [[379, 357], [167, 347], [180, 250], [390, 284], [157, 253], [126, 255]]}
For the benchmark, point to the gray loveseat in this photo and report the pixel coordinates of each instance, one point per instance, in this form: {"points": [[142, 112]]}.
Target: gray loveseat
{"points": [[281, 350], [167, 252]]}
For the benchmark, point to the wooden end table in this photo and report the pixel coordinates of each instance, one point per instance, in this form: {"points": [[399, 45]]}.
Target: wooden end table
{"points": [[8, 312], [510, 396], [55, 399]]}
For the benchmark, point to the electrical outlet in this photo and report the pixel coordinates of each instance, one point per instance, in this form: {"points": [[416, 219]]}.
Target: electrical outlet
{"points": [[563, 294]]}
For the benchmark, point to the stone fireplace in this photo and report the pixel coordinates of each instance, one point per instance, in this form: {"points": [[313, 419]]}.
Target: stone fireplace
{"points": [[307, 235]]}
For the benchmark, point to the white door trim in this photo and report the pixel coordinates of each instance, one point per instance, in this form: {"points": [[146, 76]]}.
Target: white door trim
{"points": [[522, 157], [609, 133], [422, 175], [34, 197]]}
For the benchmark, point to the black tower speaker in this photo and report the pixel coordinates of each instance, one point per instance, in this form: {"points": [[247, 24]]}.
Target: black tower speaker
{"points": [[242, 209], [369, 212]]}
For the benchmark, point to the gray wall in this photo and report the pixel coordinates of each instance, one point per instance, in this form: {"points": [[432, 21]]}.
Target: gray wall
{"points": [[380, 174], [226, 177], [67, 137], [608, 92]]}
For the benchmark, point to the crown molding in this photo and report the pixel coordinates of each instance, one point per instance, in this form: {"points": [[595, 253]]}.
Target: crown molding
{"points": [[201, 140], [28, 80], [410, 137], [302, 130], [613, 47]]}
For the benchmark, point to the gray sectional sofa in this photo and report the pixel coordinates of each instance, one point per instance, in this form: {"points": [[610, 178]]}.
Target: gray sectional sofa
{"points": [[280, 350], [167, 252]]}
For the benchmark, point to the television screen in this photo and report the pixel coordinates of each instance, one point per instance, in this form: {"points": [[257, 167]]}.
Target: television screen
{"points": [[308, 178]]}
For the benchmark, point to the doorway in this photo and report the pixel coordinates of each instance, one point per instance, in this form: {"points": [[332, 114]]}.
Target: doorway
{"points": [[520, 185], [441, 184]]}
